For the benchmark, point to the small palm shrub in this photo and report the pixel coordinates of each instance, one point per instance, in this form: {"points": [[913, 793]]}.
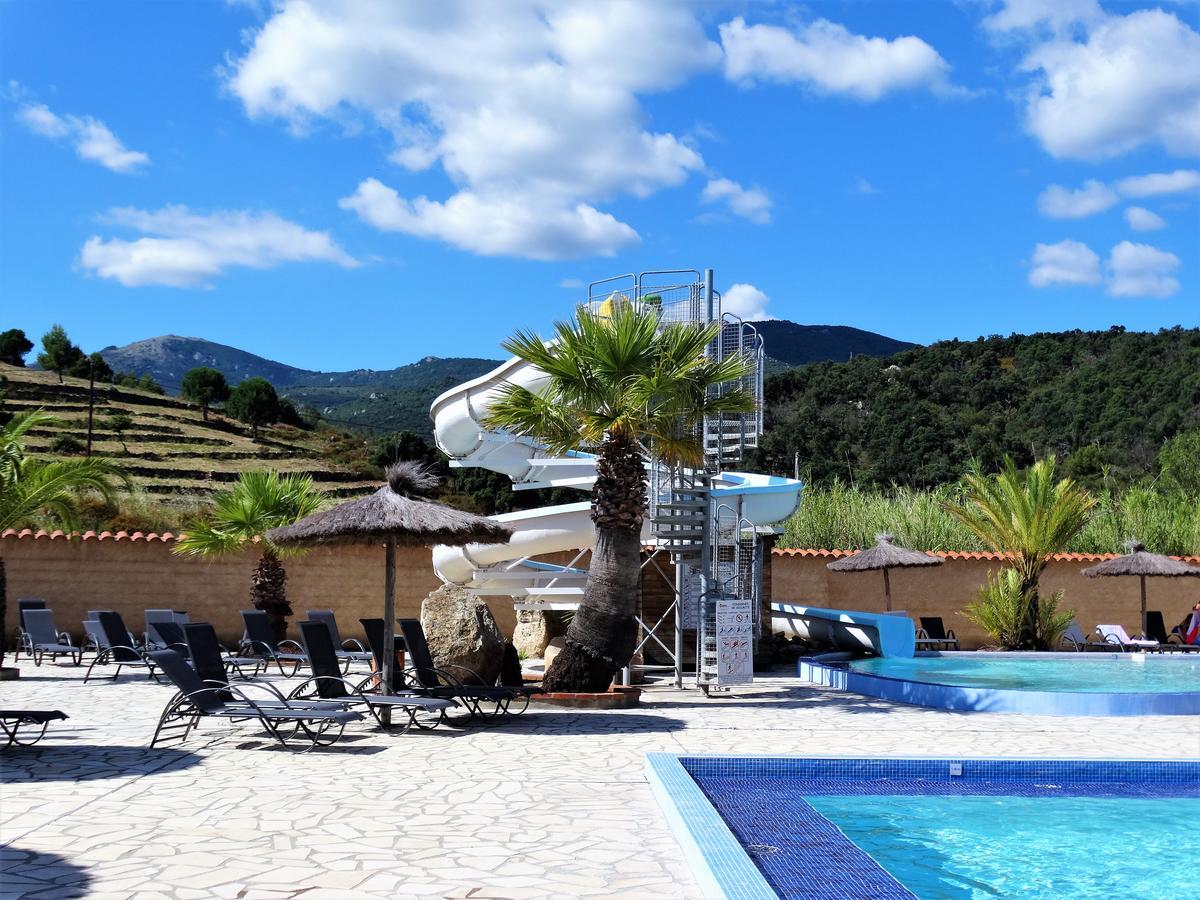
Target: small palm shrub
{"points": [[1002, 608]]}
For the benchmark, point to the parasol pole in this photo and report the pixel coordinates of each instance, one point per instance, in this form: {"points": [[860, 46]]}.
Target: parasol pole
{"points": [[389, 625], [887, 588], [1142, 579]]}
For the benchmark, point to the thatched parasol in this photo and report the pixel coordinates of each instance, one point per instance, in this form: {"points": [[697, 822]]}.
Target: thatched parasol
{"points": [[884, 556], [1140, 562], [391, 517]]}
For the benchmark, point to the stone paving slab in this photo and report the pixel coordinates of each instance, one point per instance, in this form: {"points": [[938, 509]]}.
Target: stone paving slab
{"points": [[549, 804]]}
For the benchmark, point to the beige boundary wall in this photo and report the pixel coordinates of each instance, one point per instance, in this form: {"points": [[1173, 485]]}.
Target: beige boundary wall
{"points": [[130, 573], [801, 576]]}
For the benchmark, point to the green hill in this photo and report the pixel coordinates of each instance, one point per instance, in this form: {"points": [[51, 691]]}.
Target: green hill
{"points": [[170, 452], [1103, 401]]}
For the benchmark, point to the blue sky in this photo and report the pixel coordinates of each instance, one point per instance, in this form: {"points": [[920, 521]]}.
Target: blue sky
{"points": [[361, 184]]}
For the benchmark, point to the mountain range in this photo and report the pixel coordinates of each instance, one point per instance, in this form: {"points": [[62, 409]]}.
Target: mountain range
{"points": [[398, 399]]}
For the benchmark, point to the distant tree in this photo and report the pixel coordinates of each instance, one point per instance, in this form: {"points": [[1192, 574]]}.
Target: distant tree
{"points": [[289, 414], [13, 347], [254, 402], [1179, 462], [93, 366], [204, 385], [405, 446], [147, 383], [58, 353], [118, 423]]}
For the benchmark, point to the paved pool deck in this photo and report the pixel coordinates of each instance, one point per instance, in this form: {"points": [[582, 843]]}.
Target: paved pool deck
{"points": [[553, 803]]}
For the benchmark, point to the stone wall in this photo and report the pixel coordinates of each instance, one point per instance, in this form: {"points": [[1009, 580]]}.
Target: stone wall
{"points": [[131, 573], [801, 576]]}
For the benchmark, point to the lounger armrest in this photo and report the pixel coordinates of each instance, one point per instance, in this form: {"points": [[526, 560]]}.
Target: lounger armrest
{"points": [[256, 648], [353, 644], [950, 636], [923, 635], [451, 680], [471, 672], [289, 642], [65, 638], [315, 678], [263, 686]]}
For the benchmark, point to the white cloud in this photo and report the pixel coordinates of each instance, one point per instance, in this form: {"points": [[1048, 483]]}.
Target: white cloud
{"points": [[494, 224], [749, 203], [530, 107], [829, 58], [1139, 270], [1104, 85], [1052, 15], [187, 249], [91, 137], [747, 302], [1160, 183], [1141, 219], [1065, 263], [1058, 202], [572, 284]]}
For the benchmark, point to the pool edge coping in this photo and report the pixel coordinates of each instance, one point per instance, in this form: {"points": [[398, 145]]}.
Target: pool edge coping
{"points": [[716, 859], [960, 698]]}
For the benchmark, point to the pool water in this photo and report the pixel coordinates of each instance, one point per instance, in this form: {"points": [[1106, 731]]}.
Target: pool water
{"points": [[1129, 673], [1026, 846]]}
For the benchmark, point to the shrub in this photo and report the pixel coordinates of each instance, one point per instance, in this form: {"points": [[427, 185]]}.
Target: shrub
{"points": [[1002, 609], [67, 445]]}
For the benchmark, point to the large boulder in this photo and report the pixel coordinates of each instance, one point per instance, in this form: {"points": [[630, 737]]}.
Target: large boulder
{"points": [[462, 631], [535, 629]]}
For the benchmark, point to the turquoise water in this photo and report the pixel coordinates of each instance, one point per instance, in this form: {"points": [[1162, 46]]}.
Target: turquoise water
{"points": [[1020, 846], [1131, 673]]}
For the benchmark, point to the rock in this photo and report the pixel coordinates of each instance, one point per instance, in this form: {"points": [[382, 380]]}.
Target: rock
{"points": [[552, 650], [462, 631], [535, 629]]}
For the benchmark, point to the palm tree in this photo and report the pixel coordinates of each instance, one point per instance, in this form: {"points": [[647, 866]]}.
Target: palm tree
{"points": [[29, 486], [1027, 518], [241, 517], [625, 389]]}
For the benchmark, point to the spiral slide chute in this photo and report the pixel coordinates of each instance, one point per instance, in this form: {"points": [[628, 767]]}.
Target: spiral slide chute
{"points": [[506, 569]]}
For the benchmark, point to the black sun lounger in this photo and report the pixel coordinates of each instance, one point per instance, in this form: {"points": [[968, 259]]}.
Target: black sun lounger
{"points": [[433, 681], [321, 725], [327, 683], [1156, 630], [348, 651], [260, 642], [118, 652], [44, 639], [23, 643], [934, 633], [35, 720]]}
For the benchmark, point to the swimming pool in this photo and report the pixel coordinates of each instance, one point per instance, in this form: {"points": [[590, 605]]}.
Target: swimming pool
{"points": [[1059, 684], [823, 828], [1092, 673]]}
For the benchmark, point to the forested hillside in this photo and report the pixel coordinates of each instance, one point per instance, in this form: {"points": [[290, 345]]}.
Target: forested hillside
{"points": [[1104, 402]]}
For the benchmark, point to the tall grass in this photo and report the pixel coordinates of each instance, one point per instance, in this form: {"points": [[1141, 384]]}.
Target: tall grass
{"points": [[847, 518]]}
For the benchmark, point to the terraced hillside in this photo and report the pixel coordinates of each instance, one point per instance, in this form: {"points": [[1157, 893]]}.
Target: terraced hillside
{"points": [[170, 451]]}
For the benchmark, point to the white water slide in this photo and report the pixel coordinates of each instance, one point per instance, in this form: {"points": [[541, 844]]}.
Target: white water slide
{"points": [[509, 569]]}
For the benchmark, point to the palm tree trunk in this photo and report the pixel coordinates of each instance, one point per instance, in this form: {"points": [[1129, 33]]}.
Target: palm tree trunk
{"points": [[268, 592], [603, 633]]}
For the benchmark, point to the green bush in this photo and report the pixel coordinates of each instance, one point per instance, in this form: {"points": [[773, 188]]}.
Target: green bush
{"points": [[1001, 608], [67, 445]]}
